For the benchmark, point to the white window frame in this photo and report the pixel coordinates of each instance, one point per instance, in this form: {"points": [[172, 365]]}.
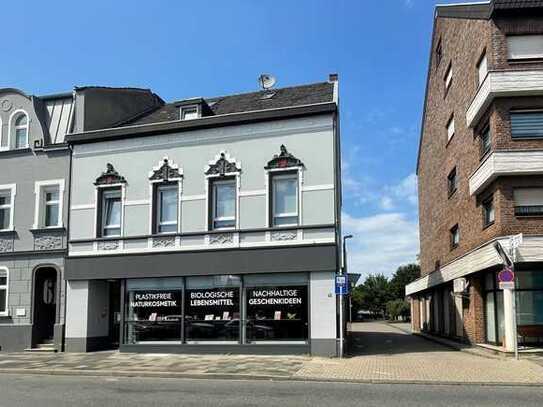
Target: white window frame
{"points": [[5, 313], [482, 74], [13, 129], [40, 190], [450, 129], [279, 176], [158, 210], [12, 188], [448, 77], [214, 184], [99, 197], [511, 57], [184, 109], [2, 136]]}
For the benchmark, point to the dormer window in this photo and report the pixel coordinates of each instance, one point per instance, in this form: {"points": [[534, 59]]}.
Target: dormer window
{"points": [[21, 131], [190, 112]]}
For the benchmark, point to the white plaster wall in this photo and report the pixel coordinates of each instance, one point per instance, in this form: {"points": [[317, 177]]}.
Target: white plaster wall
{"points": [[77, 299], [323, 305]]}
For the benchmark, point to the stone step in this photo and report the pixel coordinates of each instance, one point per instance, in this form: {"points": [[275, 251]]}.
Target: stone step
{"points": [[43, 347]]}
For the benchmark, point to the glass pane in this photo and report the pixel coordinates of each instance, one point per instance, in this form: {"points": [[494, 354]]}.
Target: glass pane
{"points": [[277, 313], [154, 315], [113, 211], [490, 315], [285, 220], [501, 321], [168, 205], [21, 120], [5, 198], [168, 228], [3, 300], [529, 307], [3, 280], [529, 279], [112, 232], [20, 138], [285, 200], [225, 200], [51, 215], [51, 196], [4, 218]]}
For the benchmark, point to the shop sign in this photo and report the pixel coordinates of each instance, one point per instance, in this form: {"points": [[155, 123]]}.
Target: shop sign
{"points": [[215, 298], [153, 299], [282, 296]]}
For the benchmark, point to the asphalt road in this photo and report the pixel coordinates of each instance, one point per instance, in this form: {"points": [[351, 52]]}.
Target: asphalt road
{"points": [[58, 391]]}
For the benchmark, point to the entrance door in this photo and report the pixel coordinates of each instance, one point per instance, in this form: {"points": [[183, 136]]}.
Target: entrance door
{"points": [[45, 304], [114, 313]]}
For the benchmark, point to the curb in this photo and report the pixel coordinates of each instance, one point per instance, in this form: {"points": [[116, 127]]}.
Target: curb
{"points": [[245, 377]]}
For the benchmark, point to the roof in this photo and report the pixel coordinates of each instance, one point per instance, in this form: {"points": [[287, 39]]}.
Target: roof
{"points": [[515, 4], [294, 96]]}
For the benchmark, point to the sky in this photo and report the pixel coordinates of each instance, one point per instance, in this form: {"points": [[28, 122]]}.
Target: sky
{"points": [[183, 49]]}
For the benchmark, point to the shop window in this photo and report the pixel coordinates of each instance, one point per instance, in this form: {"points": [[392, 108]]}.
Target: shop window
{"points": [[284, 199], [223, 203], [212, 309], [153, 310], [110, 212], [3, 292], [166, 203]]}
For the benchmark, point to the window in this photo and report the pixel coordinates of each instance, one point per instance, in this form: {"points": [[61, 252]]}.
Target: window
{"points": [[51, 208], [223, 204], [110, 212], [521, 47], [166, 204], [3, 137], [482, 68], [452, 182], [488, 211], [448, 77], [6, 207], [450, 128], [4, 282], [48, 209], [526, 124], [21, 131], [455, 236], [284, 191], [528, 201], [189, 113], [485, 141], [439, 53]]}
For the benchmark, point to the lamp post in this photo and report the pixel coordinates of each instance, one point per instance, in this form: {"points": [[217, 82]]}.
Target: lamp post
{"points": [[343, 272]]}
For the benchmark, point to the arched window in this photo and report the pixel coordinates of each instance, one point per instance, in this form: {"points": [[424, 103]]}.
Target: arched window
{"points": [[3, 137], [21, 131]]}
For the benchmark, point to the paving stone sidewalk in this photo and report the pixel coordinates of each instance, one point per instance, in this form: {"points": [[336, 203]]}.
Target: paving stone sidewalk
{"points": [[382, 354]]}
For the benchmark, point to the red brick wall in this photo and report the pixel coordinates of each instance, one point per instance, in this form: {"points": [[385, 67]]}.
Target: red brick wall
{"points": [[415, 315], [474, 317]]}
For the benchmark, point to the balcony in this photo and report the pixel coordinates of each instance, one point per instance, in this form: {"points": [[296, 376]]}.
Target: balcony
{"points": [[502, 163], [503, 84]]}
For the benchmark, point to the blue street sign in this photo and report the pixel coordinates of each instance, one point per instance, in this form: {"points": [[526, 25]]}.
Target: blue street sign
{"points": [[342, 288]]}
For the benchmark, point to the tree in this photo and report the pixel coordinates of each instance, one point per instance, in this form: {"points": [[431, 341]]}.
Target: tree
{"points": [[372, 295], [403, 276], [398, 308]]}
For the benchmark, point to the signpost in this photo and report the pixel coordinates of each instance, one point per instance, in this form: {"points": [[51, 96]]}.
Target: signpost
{"points": [[341, 290]]}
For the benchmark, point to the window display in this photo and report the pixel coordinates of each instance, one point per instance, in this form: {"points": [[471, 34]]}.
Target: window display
{"points": [[277, 313], [212, 308]]}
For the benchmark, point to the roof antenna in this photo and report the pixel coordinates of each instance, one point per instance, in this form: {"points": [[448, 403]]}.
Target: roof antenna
{"points": [[266, 81]]}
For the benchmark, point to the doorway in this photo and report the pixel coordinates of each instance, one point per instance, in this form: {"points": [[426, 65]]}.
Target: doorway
{"points": [[45, 304], [114, 313]]}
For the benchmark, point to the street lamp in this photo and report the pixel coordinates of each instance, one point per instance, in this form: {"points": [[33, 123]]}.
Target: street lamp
{"points": [[344, 273]]}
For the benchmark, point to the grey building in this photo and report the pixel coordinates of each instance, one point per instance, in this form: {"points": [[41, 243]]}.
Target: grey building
{"points": [[205, 225], [34, 169]]}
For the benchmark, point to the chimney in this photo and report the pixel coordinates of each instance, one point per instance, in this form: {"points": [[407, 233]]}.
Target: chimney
{"points": [[333, 77]]}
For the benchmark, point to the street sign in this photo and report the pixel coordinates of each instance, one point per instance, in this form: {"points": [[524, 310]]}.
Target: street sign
{"points": [[506, 279], [341, 285]]}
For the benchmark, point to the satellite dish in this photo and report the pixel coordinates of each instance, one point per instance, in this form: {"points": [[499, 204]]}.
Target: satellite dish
{"points": [[266, 81]]}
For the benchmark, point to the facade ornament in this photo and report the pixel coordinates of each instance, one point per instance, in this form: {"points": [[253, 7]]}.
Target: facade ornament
{"points": [[161, 242], [108, 245], [110, 176], [224, 165], [221, 238], [6, 245], [283, 160], [284, 235], [48, 242], [166, 171]]}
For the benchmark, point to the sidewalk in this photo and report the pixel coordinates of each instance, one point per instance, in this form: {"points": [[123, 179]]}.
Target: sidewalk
{"points": [[383, 354]]}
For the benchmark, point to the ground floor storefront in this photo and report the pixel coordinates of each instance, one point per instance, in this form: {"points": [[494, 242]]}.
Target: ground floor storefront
{"points": [[483, 313], [31, 301], [246, 304]]}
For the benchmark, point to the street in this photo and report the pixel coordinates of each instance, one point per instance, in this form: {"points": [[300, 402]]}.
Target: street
{"points": [[45, 391]]}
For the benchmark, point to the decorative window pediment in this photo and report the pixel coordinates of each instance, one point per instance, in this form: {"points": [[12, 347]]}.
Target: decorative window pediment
{"points": [[110, 177], [283, 160], [165, 171], [223, 165]]}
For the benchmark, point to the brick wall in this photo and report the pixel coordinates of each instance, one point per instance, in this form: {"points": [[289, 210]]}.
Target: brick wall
{"points": [[415, 314], [474, 316]]}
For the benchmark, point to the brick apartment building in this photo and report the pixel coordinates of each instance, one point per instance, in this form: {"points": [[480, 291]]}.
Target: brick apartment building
{"points": [[480, 171]]}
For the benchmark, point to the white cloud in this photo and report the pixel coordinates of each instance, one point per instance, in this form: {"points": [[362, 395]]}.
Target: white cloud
{"points": [[381, 242], [398, 195], [408, 3]]}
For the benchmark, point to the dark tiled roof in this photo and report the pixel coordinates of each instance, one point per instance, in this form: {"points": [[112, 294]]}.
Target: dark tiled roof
{"points": [[247, 102], [512, 4]]}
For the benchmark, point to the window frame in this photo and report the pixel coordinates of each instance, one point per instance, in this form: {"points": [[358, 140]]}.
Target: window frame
{"points": [[485, 205], [101, 191], [157, 207], [524, 111], [439, 52], [287, 174], [40, 190], [213, 183], [184, 109], [482, 58], [454, 235], [452, 182], [448, 78], [13, 130], [525, 58], [5, 287], [520, 214], [12, 188], [484, 148]]}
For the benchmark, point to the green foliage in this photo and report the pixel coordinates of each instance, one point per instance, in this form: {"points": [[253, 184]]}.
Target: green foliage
{"points": [[403, 276], [398, 308]]}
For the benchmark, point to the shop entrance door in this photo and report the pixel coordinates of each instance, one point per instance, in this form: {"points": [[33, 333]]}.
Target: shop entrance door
{"points": [[114, 313], [45, 304]]}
